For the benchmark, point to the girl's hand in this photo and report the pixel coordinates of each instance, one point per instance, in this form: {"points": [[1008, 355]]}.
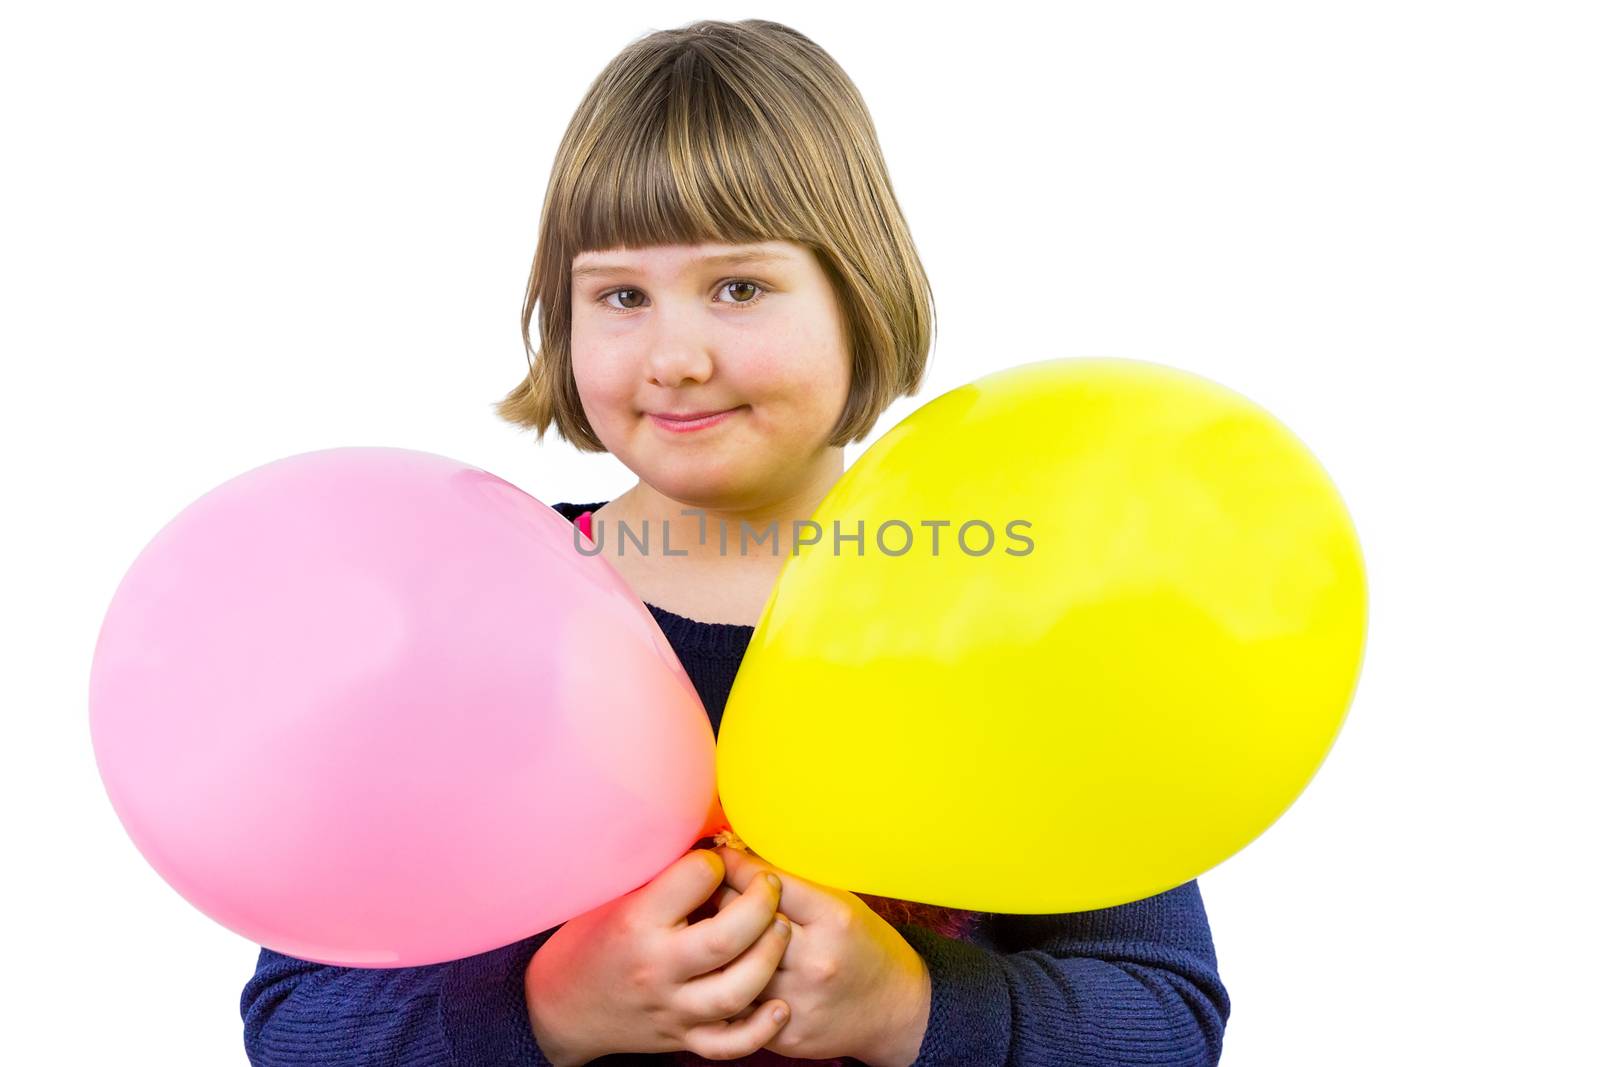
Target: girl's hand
{"points": [[855, 986], [636, 975]]}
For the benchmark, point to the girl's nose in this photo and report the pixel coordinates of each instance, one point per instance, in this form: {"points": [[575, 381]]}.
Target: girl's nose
{"points": [[674, 362]]}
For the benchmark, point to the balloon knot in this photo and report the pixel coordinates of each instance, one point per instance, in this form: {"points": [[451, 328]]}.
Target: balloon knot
{"points": [[731, 840]]}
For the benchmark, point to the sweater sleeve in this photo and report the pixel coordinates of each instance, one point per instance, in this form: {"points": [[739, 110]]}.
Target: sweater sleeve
{"points": [[469, 1012], [1133, 984]]}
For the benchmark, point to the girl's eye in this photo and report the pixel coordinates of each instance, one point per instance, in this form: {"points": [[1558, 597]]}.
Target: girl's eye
{"points": [[746, 285], [605, 299], [634, 294]]}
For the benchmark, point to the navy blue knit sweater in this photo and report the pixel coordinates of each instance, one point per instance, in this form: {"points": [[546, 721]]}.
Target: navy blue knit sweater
{"points": [[1133, 984]]}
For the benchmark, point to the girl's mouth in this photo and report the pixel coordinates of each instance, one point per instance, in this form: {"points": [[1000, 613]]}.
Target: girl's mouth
{"points": [[699, 421]]}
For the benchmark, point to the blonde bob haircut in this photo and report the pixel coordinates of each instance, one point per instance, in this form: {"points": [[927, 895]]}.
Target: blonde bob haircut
{"points": [[728, 133]]}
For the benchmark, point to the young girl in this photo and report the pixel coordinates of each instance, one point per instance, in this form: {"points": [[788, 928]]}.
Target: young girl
{"points": [[728, 295]]}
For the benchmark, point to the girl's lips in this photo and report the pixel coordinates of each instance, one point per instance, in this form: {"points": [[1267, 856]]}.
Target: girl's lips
{"points": [[690, 425]]}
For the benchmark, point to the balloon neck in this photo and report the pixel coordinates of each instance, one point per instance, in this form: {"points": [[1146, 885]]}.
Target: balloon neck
{"points": [[716, 820], [731, 840]]}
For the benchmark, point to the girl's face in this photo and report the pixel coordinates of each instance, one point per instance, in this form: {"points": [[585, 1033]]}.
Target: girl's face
{"points": [[752, 331]]}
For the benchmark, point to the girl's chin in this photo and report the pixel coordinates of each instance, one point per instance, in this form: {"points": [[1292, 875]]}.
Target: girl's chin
{"points": [[709, 490]]}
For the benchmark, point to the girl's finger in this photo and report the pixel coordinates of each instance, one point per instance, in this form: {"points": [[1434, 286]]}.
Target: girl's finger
{"points": [[800, 899], [710, 943], [730, 1039], [678, 890], [723, 994]]}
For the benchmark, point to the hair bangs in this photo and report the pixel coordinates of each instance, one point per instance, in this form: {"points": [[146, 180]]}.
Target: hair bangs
{"points": [[685, 161]]}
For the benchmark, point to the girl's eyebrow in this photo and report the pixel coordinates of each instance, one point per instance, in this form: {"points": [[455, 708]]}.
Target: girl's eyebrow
{"points": [[747, 256]]}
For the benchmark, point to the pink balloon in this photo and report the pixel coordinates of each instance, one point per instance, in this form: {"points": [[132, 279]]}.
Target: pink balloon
{"points": [[371, 707]]}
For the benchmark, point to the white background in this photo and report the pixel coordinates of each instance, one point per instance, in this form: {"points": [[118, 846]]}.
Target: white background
{"points": [[237, 232]]}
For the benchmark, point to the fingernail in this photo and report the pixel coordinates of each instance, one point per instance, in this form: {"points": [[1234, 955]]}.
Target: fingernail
{"points": [[780, 1013], [783, 928], [776, 882]]}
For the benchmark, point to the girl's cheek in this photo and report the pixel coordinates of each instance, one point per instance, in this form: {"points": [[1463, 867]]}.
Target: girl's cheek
{"points": [[597, 382], [766, 371]]}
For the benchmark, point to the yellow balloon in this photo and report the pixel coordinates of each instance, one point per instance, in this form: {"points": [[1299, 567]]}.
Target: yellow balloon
{"points": [[1125, 680]]}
